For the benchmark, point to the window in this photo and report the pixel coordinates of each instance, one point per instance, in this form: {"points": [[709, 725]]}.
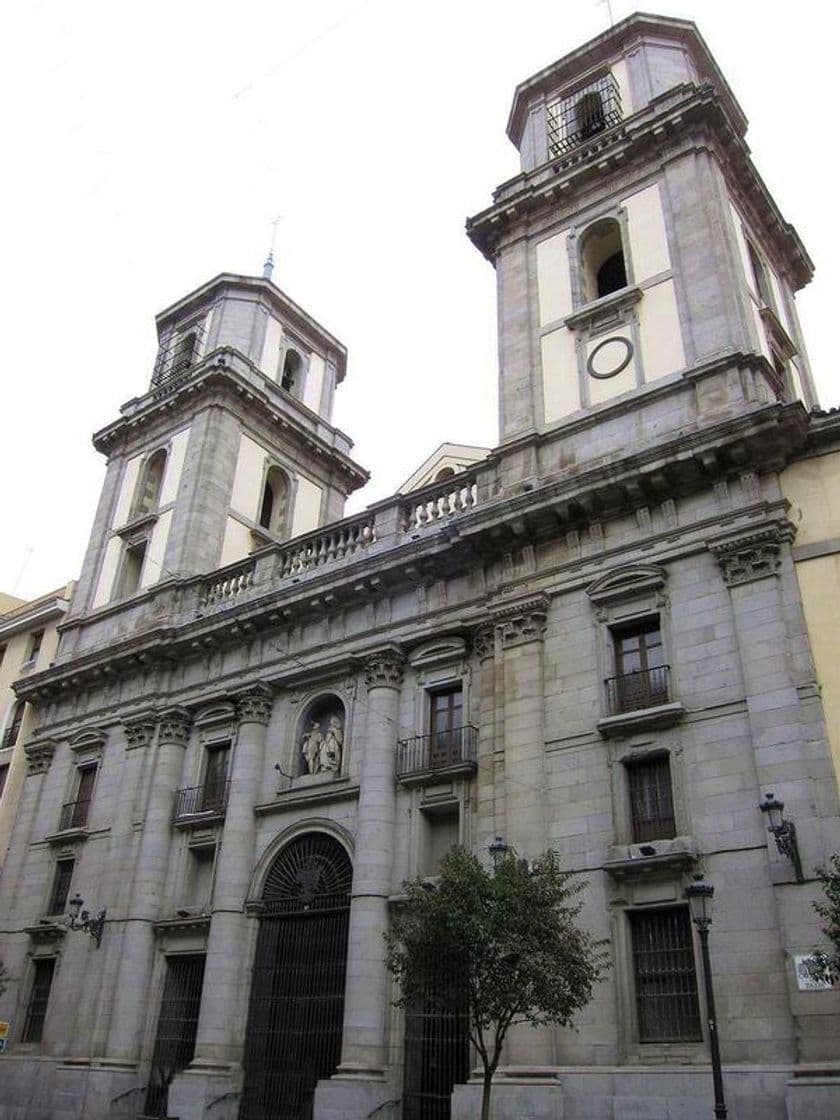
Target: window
{"points": [[35, 643], [11, 733], [176, 1028], [446, 725], [641, 677], [214, 787], [760, 278], [290, 377], [75, 813], [4, 773], [2, 654], [602, 260], [275, 501], [61, 886], [36, 1010], [651, 800], [664, 976], [579, 116], [148, 492], [131, 569], [184, 352]]}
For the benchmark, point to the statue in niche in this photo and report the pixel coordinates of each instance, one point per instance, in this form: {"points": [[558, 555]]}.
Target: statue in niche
{"points": [[311, 747], [331, 748]]}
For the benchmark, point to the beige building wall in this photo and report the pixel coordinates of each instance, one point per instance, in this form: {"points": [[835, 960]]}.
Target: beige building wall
{"points": [[18, 628]]}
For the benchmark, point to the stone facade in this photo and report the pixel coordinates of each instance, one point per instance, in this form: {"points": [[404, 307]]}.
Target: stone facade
{"points": [[591, 640]]}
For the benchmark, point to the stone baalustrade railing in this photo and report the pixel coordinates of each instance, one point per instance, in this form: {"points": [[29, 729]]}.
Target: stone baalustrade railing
{"points": [[335, 542], [227, 585], [439, 502]]}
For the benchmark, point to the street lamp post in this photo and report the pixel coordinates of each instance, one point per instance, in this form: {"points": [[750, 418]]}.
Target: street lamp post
{"points": [[699, 895]]}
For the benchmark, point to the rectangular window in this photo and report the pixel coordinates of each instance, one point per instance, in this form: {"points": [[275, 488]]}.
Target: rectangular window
{"points": [[36, 1010], [446, 726], [75, 813], [35, 642], [131, 570], [4, 773], [664, 976], [2, 654], [759, 271], [214, 788], [61, 886], [176, 1029], [10, 735], [651, 800], [641, 677]]}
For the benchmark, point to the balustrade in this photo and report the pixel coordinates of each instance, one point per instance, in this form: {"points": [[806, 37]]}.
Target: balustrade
{"points": [[444, 501]]}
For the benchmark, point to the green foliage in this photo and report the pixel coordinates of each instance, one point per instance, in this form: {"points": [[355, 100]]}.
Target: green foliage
{"points": [[827, 964], [506, 942]]}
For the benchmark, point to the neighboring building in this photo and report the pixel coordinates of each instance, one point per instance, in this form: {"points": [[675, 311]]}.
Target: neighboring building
{"points": [[28, 641], [812, 485], [591, 638]]}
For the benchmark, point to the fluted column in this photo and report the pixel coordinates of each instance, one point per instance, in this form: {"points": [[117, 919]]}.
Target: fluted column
{"points": [[366, 994], [219, 1039], [520, 629], [491, 809], [137, 948]]}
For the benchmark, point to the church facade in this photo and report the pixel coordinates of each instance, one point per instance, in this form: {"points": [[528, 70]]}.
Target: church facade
{"points": [[264, 716]]}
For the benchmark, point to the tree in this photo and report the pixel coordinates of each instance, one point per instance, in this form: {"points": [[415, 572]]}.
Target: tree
{"points": [[826, 965], [504, 942]]}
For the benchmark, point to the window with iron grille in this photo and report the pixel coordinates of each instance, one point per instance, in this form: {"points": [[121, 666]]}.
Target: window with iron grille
{"points": [[36, 1010], [176, 1029], [582, 115], [664, 976], [651, 799], [61, 886]]}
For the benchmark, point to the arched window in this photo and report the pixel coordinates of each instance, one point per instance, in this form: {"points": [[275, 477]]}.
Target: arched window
{"points": [[443, 473], [290, 378], [148, 494], [589, 115], [275, 501], [184, 352], [602, 259]]}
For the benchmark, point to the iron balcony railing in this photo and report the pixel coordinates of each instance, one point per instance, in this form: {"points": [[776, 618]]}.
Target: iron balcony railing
{"points": [[74, 814], [201, 800], [439, 751], [581, 116], [646, 688]]}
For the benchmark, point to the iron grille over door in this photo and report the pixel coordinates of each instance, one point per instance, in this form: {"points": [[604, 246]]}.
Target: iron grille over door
{"points": [[176, 1029], [437, 1055], [663, 970], [296, 1011]]}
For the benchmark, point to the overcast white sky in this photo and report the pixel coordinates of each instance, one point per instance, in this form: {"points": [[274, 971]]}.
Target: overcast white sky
{"points": [[148, 147]]}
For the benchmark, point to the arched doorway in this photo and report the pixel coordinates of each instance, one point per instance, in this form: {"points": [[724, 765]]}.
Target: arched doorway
{"points": [[296, 1010]]}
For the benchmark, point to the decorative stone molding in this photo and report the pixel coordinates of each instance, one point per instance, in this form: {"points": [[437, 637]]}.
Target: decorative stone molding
{"points": [[175, 726], [752, 556], [255, 705], [484, 640], [628, 581], [39, 755], [522, 622], [47, 932], [139, 732], [384, 669]]}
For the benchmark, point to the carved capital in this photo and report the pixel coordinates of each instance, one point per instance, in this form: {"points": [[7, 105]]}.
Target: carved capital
{"points": [[752, 556], [39, 755], [175, 726], [139, 732], [254, 706], [484, 640], [384, 669], [522, 622]]}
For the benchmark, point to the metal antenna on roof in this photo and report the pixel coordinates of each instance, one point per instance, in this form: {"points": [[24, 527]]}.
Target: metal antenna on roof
{"points": [[608, 5], [268, 267]]}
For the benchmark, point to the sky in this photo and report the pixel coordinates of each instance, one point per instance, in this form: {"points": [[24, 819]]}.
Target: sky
{"points": [[150, 146]]}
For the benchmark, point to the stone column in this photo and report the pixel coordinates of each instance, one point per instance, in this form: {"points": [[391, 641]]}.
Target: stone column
{"points": [[491, 809], [366, 999], [219, 1039], [521, 627], [137, 949]]}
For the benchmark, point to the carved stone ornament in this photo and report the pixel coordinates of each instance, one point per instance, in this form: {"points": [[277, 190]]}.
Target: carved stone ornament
{"points": [[254, 706], [484, 640], [522, 622], [139, 733], [39, 755], [175, 726], [752, 556], [384, 669]]}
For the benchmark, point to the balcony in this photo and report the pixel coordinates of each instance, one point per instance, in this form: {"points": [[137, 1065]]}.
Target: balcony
{"points": [[438, 757], [200, 804], [74, 814], [640, 700], [581, 118]]}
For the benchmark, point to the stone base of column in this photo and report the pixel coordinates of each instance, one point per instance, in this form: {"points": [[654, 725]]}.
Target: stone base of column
{"points": [[203, 1086], [356, 1094]]}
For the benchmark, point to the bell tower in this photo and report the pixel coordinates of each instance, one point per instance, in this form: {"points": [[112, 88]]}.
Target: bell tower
{"points": [[232, 447], [638, 249]]}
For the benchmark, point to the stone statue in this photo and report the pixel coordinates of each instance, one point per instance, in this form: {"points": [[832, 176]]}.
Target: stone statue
{"points": [[331, 749], [311, 748]]}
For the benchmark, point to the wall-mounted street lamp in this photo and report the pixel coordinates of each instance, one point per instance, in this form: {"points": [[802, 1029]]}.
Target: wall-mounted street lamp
{"points": [[498, 849], [784, 832], [700, 895], [81, 920]]}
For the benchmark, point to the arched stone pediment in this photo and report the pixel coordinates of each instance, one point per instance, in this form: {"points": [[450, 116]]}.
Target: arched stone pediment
{"points": [[628, 580]]}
